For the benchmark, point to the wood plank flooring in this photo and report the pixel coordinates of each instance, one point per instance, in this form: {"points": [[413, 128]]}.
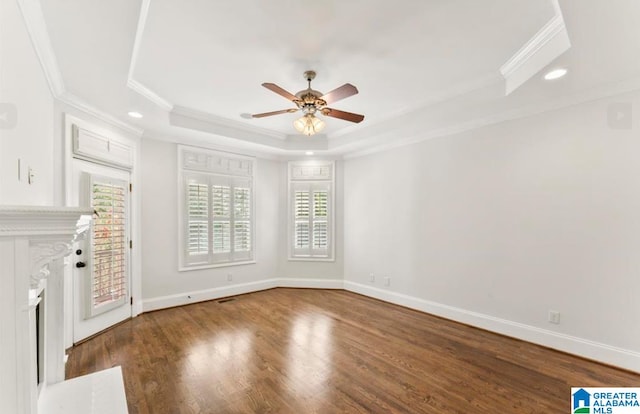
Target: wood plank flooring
{"points": [[319, 351]]}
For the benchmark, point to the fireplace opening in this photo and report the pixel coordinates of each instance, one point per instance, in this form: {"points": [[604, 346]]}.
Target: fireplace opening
{"points": [[40, 339]]}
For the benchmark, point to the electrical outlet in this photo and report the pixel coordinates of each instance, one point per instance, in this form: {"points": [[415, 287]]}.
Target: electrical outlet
{"points": [[554, 317], [387, 281], [229, 277], [372, 278]]}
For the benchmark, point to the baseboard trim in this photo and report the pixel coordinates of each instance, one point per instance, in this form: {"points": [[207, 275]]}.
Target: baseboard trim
{"points": [[186, 298], [619, 357], [311, 283]]}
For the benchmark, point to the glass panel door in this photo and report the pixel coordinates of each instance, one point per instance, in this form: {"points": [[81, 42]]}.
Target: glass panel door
{"points": [[109, 281], [101, 268]]}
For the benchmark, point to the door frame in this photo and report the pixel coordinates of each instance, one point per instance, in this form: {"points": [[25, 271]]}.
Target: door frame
{"points": [[90, 320], [134, 142]]}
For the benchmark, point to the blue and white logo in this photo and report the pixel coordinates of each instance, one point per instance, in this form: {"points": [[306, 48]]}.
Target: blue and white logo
{"points": [[604, 400], [581, 401]]}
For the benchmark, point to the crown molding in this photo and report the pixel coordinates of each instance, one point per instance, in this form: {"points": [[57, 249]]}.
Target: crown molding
{"points": [[133, 84], [387, 138], [385, 135], [533, 45], [37, 29], [78, 103], [547, 44], [205, 142], [436, 97], [142, 22], [149, 94], [216, 123]]}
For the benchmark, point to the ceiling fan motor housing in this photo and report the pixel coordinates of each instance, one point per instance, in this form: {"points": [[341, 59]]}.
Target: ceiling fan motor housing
{"points": [[309, 101]]}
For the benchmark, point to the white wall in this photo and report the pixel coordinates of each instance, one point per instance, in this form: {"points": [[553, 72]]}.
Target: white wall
{"points": [[507, 222], [162, 284], [24, 87], [305, 269]]}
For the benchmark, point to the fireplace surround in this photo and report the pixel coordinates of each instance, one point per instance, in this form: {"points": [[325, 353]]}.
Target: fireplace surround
{"points": [[34, 243]]}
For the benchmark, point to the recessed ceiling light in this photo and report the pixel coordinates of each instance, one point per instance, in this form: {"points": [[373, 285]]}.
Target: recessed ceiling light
{"points": [[134, 114], [555, 74], [309, 153]]}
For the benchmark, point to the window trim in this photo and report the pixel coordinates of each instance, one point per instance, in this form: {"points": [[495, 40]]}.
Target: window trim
{"points": [[325, 178], [183, 172]]}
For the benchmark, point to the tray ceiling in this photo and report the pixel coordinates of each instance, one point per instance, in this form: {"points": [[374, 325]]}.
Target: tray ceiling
{"points": [[171, 60]]}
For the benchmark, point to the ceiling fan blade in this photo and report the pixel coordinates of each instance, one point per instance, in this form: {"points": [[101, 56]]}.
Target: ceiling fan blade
{"points": [[275, 88], [342, 92], [283, 111], [347, 116]]}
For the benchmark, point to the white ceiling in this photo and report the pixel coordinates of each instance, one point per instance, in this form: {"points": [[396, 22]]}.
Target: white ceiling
{"points": [[432, 63]]}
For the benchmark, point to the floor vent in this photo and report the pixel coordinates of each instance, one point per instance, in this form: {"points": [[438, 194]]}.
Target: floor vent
{"points": [[226, 300]]}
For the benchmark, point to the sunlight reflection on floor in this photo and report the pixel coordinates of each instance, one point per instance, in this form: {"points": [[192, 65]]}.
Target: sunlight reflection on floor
{"points": [[223, 362], [309, 360]]}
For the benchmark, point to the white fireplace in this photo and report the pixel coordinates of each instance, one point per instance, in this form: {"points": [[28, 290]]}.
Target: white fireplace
{"points": [[34, 242]]}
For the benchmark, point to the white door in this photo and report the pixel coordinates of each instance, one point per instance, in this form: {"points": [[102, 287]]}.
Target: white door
{"points": [[101, 268]]}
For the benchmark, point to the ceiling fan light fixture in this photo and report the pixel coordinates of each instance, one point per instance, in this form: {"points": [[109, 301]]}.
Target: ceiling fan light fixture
{"points": [[308, 125]]}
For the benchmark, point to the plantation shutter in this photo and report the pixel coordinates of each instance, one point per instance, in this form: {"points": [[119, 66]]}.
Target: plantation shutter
{"points": [[198, 212], [311, 219], [221, 218], [197, 219], [219, 223], [241, 219], [302, 234], [320, 217], [109, 285]]}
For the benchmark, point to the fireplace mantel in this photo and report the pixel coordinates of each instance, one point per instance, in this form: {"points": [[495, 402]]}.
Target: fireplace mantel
{"points": [[37, 220], [33, 244]]}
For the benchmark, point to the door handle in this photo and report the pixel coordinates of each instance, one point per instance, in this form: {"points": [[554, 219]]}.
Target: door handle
{"points": [[80, 264]]}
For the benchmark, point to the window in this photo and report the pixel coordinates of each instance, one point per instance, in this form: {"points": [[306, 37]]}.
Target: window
{"points": [[311, 210], [109, 279], [217, 208]]}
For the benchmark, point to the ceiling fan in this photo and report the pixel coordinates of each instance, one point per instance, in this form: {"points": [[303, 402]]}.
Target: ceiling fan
{"points": [[311, 102]]}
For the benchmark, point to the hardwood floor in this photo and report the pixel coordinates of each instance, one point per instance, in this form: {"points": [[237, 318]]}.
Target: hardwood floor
{"points": [[319, 351]]}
